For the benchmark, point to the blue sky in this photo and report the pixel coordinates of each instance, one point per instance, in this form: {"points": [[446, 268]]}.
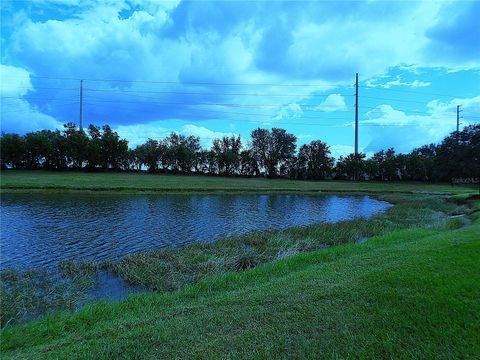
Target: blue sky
{"points": [[217, 68]]}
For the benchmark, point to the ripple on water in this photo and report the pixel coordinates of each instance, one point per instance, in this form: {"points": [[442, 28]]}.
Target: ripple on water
{"points": [[40, 231]]}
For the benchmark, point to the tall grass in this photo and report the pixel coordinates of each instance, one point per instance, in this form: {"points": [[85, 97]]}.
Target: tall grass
{"points": [[173, 269], [27, 295]]}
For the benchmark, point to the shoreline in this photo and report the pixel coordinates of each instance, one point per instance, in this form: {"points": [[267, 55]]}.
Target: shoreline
{"points": [[177, 268]]}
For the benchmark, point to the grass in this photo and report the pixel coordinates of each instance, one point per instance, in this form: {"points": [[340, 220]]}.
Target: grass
{"points": [[18, 180], [410, 293], [411, 290], [172, 269], [30, 294]]}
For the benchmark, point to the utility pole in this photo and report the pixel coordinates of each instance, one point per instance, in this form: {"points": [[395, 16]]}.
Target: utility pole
{"points": [[356, 114], [458, 117], [81, 106]]}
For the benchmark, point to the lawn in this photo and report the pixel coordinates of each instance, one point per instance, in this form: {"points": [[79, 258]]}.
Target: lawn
{"points": [[133, 182], [407, 294]]}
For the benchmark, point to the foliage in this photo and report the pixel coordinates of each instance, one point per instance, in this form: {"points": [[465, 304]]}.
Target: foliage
{"points": [[270, 153], [314, 161], [272, 149]]}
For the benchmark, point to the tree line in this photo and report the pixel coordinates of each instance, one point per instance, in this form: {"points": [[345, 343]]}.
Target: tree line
{"points": [[270, 153]]}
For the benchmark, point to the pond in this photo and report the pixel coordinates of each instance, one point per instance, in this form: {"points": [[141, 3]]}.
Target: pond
{"points": [[38, 231]]}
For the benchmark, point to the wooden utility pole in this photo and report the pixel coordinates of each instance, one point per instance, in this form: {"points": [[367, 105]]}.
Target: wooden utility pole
{"points": [[81, 106], [356, 114]]}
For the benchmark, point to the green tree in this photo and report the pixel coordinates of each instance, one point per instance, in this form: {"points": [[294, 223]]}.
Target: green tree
{"points": [[114, 150], [77, 144], [314, 161], [227, 154], [94, 149], [458, 154], [150, 154], [181, 152], [12, 151], [351, 167], [37, 150], [272, 149]]}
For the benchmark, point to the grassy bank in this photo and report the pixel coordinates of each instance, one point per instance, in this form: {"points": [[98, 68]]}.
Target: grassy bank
{"points": [[134, 182], [175, 268], [27, 295], [408, 293]]}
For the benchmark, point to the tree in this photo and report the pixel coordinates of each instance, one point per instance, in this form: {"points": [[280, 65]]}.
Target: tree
{"points": [[94, 149], [55, 157], [248, 164], [149, 154], [114, 150], [181, 152], [351, 167], [37, 150], [12, 151], [386, 165], [272, 149], [77, 143], [204, 162], [458, 154], [227, 154], [314, 161]]}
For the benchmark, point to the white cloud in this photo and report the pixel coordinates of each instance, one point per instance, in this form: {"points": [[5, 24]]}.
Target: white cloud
{"points": [[17, 115], [15, 81], [138, 134], [333, 102], [338, 150], [288, 111], [396, 82], [389, 127], [206, 135]]}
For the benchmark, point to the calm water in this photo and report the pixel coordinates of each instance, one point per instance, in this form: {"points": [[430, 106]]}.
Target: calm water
{"points": [[39, 231]]}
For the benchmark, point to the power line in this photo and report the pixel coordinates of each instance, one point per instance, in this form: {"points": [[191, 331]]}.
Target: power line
{"points": [[390, 99], [184, 82], [128, 92], [407, 91]]}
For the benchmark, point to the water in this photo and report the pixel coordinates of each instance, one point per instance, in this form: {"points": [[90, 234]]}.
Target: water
{"points": [[40, 231]]}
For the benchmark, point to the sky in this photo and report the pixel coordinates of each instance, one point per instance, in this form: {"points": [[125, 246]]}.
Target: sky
{"points": [[221, 68]]}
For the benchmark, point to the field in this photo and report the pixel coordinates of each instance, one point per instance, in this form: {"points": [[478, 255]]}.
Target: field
{"points": [[134, 182], [410, 291]]}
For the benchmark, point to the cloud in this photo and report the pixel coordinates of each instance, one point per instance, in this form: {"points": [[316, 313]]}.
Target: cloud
{"points": [[15, 81], [389, 127], [174, 44], [455, 37], [333, 102], [338, 150], [17, 114], [137, 134], [206, 135], [398, 82], [288, 111]]}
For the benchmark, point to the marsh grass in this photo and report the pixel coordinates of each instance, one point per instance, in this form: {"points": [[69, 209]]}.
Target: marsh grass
{"points": [[26, 296], [173, 269], [411, 293]]}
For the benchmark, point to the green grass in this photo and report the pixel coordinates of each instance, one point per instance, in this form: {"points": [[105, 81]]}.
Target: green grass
{"points": [[411, 290], [132, 182], [26, 296], [172, 269], [407, 294]]}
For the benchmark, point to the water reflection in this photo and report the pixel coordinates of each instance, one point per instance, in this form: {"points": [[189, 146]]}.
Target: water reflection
{"points": [[39, 231]]}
